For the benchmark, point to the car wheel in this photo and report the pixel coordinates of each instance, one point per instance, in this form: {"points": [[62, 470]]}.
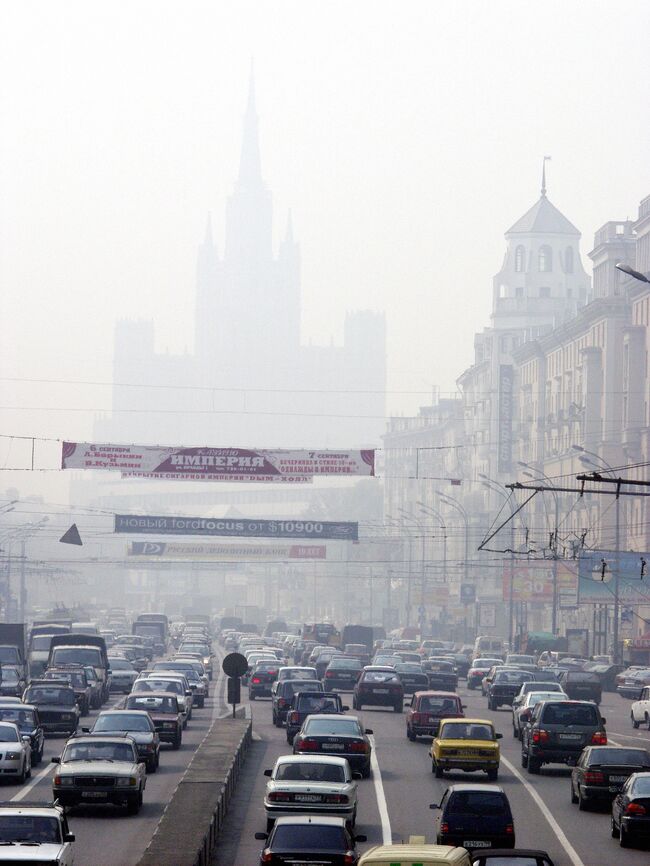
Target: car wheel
{"points": [[202, 704], [23, 773], [290, 739], [359, 705], [409, 733], [365, 771], [354, 817], [152, 766], [177, 742], [251, 696], [524, 759], [515, 732], [134, 804], [583, 804], [635, 724], [534, 766], [624, 837], [614, 829], [574, 799]]}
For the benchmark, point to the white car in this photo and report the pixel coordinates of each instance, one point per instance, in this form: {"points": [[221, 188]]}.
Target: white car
{"points": [[302, 784], [15, 752], [123, 674], [640, 710], [35, 834], [157, 681]]}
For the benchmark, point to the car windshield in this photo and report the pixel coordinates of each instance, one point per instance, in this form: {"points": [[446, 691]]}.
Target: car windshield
{"points": [[539, 686], [629, 757], [582, 677], [443, 667], [77, 655], [120, 665], [309, 837], [477, 803], [8, 734], [315, 727], [9, 675], [380, 677], [521, 660], [158, 686], [155, 703], [293, 686], [41, 642], [310, 772], [266, 666], [511, 677], [462, 731], [30, 828], [570, 714], [22, 718], [536, 697], [100, 751], [50, 695], [122, 722], [498, 860], [438, 705]]}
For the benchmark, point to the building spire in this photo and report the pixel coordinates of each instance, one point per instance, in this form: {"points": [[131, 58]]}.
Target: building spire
{"points": [[249, 163], [544, 175]]}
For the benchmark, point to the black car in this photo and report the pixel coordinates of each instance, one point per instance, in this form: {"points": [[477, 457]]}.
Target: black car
{"points": [[602, 771], [283, 693], [25, 716], [631, 811], [12, 683], [505, 686], [379, 686], [262, 677], [441, 675], [519, 856], [412, 677], [581, 685], [462, 664], [307, 838], [558, 731], [309, 704], [472, 816], [337, 735], [75, 675], [478, 669], [56, 703], [342, 673]]}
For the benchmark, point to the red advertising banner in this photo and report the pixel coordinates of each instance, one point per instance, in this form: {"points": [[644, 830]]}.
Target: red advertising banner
{"points": [[216, 464], [533, 581]]}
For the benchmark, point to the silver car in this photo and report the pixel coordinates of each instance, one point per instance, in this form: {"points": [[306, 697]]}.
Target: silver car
{"points": [[15, 752], [302, 784]]}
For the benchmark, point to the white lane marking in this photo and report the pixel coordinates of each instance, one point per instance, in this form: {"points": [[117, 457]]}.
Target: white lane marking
{"points": [[386, 832], [635, 737], [555, 827], [33, 781]]}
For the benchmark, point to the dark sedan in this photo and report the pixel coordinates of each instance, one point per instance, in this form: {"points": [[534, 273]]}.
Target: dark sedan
{"points": [[441, 675], [263, 675], [581, 685], [473, 816], [341, 736], [631, 811], [342, 673], [310, 838], [56, 703], [602, 771], [412, 677], [379, 686], [505, 686]]}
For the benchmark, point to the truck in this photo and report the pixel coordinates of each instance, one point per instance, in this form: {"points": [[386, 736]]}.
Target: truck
{"points": [[82, 649], [322, 632], [358, 634], [40, 638], [154, 629], [13, 651]]}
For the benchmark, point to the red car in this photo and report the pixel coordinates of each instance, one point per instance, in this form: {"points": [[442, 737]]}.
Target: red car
{"points": [[427, 709]]}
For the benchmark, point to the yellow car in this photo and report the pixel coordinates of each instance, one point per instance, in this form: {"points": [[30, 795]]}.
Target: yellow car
{"points": [[415, 854], [466, 744]]}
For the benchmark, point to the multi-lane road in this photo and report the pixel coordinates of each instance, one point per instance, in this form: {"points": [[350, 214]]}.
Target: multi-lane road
{"points": [[105, 835], [394, 802]]}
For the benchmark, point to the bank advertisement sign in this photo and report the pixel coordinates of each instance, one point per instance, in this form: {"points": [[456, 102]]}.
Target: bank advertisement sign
{"points": [[597, 577], [229, 552], [235, 527], [532, 580], [216, 464]]}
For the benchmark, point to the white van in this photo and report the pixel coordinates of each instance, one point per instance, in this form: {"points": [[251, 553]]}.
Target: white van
{"points": [[488, 646]]}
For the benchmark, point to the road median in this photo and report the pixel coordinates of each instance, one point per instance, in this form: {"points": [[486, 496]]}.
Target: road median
{"points": [[187, 832]]}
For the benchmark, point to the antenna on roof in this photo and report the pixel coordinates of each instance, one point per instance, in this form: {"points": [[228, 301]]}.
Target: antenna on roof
{"points": [[544, 175]]}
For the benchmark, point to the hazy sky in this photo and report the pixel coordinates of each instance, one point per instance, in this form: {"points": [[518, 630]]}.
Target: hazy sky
{"points": [[406, 137]]}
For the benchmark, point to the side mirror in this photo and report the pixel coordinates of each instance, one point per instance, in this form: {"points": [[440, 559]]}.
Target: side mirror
{"points": [[268, 772], [85, 730], [360, 838], [69, 837], [463, 706], [499, 736], [603, 720], [109, 672], [26, 738], [188, 693], [56, 760], [434, 805], [261, 836], [357, 776], [345, 708], [368, 731]]}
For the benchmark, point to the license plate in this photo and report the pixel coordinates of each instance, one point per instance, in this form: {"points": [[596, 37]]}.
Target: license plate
{"points": [[94, 795], [307, 798], [336, 747], [572, 738], [476, 843], [382, 691], [618, 779]]}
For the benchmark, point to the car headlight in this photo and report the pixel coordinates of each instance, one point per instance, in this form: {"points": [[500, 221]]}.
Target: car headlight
{"points": [[12, 756], [129, 782], [168, 725], [63, 781]]}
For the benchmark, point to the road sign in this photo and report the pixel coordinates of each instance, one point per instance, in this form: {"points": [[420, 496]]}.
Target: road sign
{"points": [[234, 665], [467, 593]]}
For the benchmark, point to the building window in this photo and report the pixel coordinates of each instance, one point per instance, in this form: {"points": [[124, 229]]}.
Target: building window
{"points": [[520, 258], [502, 291], [568, 260], [519, 292], [569, 293], [545, 259], [545, 291]]}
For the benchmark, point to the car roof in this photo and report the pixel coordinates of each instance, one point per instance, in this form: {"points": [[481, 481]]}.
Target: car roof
{"points": [[121, 712], [407, 852], [334, 716], [111, 738], [431, 693], [479, 789], [385, 668], [141, 695], [38, 810], [309, 759], [324, 820], [467, 721]]}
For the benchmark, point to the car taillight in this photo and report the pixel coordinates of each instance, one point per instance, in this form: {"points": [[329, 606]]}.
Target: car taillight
{"points": [[267, 856], [540, 736], [444, 828], [57, 780], [294, 716], [358, 747], [307, 745], [594, 777], [278, 797], [282, 702], [349, 857], [510, 829], [335, 798], [635, 809], [329, 674], [257, 680], [418, 717], [599, 738]]}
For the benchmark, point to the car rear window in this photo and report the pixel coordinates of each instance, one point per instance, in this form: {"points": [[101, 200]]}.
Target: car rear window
{"points": [[315, 727], [347, 664], [313, 704], [291, 687], [380, 677], [466, 731], [580, 677], [570, 714], [631, 757], [439, 705], [309, 837], [478, 803], [310, 772], [511, 677]]}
